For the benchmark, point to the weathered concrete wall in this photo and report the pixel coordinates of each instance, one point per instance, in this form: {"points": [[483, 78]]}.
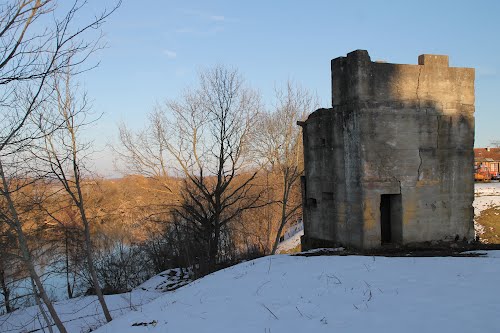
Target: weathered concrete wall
{"points": [[393, 129]]}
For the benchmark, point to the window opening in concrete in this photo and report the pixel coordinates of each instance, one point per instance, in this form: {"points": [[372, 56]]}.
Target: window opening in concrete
{"points": [[327, 195], [390, 218], [311, 202]]}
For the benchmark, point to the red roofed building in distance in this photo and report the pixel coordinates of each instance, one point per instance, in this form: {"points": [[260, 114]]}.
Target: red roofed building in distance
{"points": [[486, 163]]}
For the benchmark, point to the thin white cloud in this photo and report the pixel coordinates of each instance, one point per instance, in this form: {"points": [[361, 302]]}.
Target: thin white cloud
{"points": [[206, 23], [200, 32], [218, 18], [208, 16], [170, 54], [185, 30]]}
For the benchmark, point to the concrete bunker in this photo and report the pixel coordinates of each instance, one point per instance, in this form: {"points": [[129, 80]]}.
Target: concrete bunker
{"points": [[392, 161]]}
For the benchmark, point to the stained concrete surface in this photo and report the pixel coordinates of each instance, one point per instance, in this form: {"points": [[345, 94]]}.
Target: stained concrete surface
{"points": [[393, 129]]}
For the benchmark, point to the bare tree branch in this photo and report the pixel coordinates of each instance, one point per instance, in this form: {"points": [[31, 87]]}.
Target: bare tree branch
{"points": [[278, 145]]}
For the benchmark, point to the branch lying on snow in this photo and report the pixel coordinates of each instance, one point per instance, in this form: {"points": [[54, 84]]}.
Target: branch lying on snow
{"points": [[262, 285], [152, 323], [334, 277], [301, 314], [269, 311]]}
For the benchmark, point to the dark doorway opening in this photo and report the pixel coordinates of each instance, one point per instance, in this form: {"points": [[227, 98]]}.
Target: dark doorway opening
{"points": [[390, 218]]}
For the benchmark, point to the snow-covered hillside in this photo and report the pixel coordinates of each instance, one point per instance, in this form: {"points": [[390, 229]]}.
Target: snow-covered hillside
{"points": [[293, 294], [83, 314], [291, 237], [331, 294]]}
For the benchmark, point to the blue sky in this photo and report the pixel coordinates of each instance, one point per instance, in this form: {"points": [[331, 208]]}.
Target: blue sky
{"points": [[155, 49]]}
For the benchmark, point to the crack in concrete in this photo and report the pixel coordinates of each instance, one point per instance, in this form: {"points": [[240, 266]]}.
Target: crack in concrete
{"points": [[437, 132], [420, 165], [418, 87]]}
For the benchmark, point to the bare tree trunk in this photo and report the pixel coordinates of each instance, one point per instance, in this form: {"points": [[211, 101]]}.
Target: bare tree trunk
{"points": [[65, 166], [15, 223], [66, 245], [88, 252], [268, 213], [280, 229], [28, 261], [5, 288], [285, 216], [283, 221], [214, 248], [88, 242], [40, 307]]}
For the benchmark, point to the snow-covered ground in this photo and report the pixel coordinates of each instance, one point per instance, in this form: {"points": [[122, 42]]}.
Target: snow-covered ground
{"points": [[290, 243], [330, 294], [292, 238], [487, 195], [83, 314]]}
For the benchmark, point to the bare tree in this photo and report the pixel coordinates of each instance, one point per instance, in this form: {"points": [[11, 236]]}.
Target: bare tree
{"points": [[38, 39], [13, 217], [278, 143], [31, 51], [203, 137], [64, 229], [40, 307], [7, 266], [495, 143], [65, 156]]}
